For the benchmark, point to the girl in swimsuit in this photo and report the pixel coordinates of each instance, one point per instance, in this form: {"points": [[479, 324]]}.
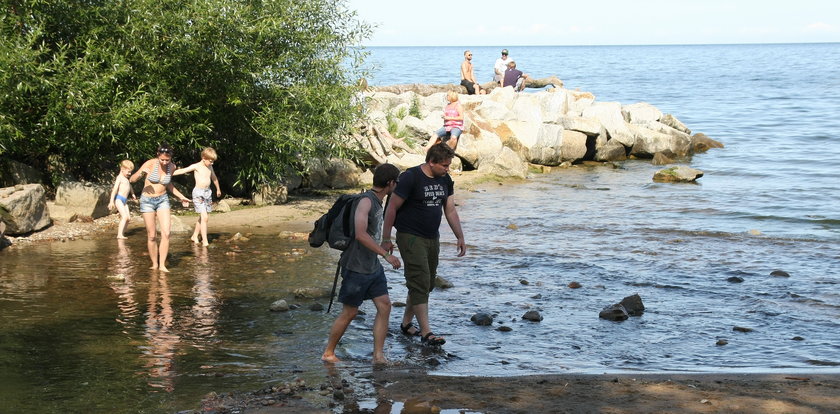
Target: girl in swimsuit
{"points": [[154, 202]]}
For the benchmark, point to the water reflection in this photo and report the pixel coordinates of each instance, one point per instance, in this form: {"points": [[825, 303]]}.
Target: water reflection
{"points": [[160, 333], [205, 311], [121, 281]]}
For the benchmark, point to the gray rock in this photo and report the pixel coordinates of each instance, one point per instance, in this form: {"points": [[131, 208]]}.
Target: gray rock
{"points": [[675, 123], [442, 283], [555, 145], [222, 206], [312, 292], [611, 151], [482, 319], [614, 312], [702, 143], [13, 173], [504, 328], [532, 316], [648, 142], [735, 279], [677, 174], [270, 195], [506, 163], [609, 114], [83, 198], [661, 159], [721, 342], [279, 306], [741, 329], [316, 307], [779, 273], [24, 208], [640, 112], [633, 305]]}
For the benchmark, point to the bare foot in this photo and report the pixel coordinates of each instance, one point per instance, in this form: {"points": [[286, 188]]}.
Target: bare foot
{"points": [[381, 360], [331, 358], [154, 266], [205, 244], [121, 237], [164, 269], [194, 240]]}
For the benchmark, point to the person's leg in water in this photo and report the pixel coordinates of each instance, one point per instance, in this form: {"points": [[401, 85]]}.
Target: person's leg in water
{"points": [[337, 331], [163, 249], [151, 237], [202, 220], [380, 328], [125, 215]]}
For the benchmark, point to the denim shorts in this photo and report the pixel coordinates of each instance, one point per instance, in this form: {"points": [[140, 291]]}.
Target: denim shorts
{"points": [[358, 287], [152, 204], [444, 135]]}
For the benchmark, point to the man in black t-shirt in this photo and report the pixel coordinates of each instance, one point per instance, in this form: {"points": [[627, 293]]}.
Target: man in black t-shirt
{"points": [[423, 193]]}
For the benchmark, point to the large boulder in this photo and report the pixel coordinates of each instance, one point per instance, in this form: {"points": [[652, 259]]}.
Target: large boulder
{"points": [[648, 142], [641, 112], [609, 115], [268, 195], [478, 145], [702, 143], [578, 102], [556, 145], [675, 123], [406, 161], [553, 105], [333, 173], [14, 173], [82, 199], [504, 164], [419, 127], [611, 151], [24, 208], [494, 110], [588, 126]]}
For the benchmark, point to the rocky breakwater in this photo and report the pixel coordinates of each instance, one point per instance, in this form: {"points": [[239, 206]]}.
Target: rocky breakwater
{"points": [[506, 131]]}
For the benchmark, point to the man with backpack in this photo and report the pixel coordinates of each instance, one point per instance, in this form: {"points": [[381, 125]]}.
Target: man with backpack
{"points": [[422, 194], [363, 276]]}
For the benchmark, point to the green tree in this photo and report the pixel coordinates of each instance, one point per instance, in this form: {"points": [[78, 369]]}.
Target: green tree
{"points": [[268, 83]]}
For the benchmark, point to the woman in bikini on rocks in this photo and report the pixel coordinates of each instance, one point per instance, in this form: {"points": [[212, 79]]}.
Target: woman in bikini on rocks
{"points": [[154, 202]]}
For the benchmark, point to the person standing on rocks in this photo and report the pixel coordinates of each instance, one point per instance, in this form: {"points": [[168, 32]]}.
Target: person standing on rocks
{"points": [[363, 276], [422, 195], [154, 203]]}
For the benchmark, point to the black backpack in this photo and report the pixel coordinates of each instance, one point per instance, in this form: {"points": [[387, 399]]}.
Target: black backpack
{"points": [[337, 226]]}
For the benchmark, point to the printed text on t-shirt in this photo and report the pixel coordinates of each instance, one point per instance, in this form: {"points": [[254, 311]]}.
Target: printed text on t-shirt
{"points": [[433, 195]]}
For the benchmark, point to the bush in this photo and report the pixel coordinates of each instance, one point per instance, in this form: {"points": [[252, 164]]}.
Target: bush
{"points": [[268, 84]]}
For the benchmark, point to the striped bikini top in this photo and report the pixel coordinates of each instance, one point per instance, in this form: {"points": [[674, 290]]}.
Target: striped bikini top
{"points": [[154, 176]]}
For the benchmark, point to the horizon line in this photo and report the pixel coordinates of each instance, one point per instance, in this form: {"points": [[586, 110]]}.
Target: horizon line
{"points": [[624, 44]]}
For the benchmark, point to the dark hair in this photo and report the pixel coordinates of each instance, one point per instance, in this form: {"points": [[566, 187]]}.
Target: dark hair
{"points": [[164, 148], [385, 173], [439, 153]]}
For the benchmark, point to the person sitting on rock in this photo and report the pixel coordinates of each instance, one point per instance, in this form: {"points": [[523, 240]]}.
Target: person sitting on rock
{"points": [[453, 123], [514, 77], [468, 76]]}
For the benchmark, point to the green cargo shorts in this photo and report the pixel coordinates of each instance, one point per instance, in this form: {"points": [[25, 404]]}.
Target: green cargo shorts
{"points": [[420, 258]]}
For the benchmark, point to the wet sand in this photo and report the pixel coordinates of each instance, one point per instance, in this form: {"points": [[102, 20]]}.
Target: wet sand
{"points": [[398, 389]]}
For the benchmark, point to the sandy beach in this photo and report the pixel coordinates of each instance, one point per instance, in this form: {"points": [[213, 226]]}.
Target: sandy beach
{"points": [[414, 390]]}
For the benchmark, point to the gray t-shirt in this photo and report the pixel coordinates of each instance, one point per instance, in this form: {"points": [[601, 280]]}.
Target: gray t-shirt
{"points": [[357, 257]]}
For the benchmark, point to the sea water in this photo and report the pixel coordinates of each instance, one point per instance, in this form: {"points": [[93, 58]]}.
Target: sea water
{"points": [[85, 325]]}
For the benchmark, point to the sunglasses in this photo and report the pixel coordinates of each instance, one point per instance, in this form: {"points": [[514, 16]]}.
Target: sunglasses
{"points": [[164, 151]]}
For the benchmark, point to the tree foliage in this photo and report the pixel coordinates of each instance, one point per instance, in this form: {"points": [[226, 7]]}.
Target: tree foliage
{"points": [[268, 83]]}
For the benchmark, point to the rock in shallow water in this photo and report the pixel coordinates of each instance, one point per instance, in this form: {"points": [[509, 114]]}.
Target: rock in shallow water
{"points": [[532, 316], [482, 319], [615, 313]]}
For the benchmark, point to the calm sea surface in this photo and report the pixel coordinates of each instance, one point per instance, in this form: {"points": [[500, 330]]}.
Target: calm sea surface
{"points": [[85, 326]]}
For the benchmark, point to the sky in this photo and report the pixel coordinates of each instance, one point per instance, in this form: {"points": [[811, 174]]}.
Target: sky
{"points": [[597, 22]]}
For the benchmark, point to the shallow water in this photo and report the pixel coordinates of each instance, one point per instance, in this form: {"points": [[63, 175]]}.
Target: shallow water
{"points": [[85, 325]]}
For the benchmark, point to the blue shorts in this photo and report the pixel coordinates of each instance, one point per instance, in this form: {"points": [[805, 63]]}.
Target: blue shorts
{"points": [[202, 200], [358, 287], [152, 204], [444, 135], [121, 198]]}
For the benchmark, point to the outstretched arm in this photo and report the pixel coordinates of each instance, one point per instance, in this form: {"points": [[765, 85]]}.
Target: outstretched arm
{"points": [[455, 224], [184, 170], [140, 171]]}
